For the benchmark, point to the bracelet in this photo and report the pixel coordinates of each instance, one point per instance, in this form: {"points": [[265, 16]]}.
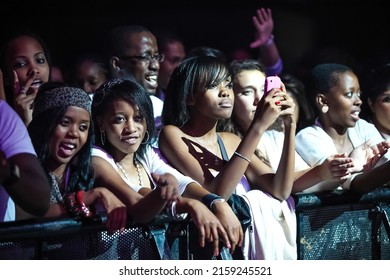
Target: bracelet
{"points": [[75, 205], [269, 41], [83, 209], [215, 201], [208, 200], [171, 211], [243, 157]]}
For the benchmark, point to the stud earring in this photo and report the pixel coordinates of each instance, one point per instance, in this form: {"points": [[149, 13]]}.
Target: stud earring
{"points": [[325, 109]]}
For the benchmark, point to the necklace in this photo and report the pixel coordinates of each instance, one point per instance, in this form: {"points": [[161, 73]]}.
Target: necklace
{"points": [[136, 167], [138, 172], [197, 140]]}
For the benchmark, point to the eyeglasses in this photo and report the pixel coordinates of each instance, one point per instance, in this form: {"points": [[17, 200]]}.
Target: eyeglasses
{"points": [[145, 58]]}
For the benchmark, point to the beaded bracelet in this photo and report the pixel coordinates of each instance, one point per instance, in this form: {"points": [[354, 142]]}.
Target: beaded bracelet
{"points": [[75, 205], [85, 211]]}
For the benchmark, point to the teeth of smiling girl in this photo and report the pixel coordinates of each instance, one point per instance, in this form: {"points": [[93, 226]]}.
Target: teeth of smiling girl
{"points": [[70, 146]]}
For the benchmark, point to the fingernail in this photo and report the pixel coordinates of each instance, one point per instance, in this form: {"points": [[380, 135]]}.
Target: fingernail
{"points": [[277, 102]]}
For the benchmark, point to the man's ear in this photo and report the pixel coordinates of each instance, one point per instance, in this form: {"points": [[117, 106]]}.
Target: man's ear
{"points": [[114, 63]]}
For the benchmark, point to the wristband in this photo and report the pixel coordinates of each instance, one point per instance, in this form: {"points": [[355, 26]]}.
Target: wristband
{"points": [[269, 41], [208, 199], [83, 209]]}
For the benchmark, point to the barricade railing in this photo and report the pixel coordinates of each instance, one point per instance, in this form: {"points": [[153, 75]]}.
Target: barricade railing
{"points": [[343, 225], [331, 225], [75, 239]]}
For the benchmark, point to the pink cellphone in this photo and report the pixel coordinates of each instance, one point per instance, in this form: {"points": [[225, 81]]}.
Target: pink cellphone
{"points": [[271, 82]]}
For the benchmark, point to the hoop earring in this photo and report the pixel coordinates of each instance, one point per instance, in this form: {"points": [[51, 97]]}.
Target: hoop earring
{"points": [[102, 137], [147, 138], [325, 109]]}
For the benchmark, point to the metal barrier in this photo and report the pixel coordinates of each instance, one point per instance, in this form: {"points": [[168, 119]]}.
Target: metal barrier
{"points": [[74, 239], [331, 225], [343, 225]]}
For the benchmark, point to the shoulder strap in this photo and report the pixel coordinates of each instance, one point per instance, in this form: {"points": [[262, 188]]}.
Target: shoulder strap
{"points": [[222, 148]]}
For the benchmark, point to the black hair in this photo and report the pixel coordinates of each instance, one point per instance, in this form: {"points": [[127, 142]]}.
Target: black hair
{"points": [[297, 89], [117, 41], [374, 84], [207, 51], [322, 78], [193, 76], [41, 129], [8, 87], [135, 95]]}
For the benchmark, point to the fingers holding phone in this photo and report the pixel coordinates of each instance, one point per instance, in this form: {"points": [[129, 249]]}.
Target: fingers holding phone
{"points": [[272, 82]]}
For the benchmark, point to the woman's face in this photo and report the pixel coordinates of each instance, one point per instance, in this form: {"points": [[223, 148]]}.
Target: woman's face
{"points": [[124, 126], [70, 135], [344, 101], [90, 76], [381, 111], [26, 57], [248, 90], [216, 102]]}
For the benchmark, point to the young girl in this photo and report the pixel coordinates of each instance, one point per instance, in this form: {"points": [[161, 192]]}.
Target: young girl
{"points": [[89, 72], [248, 86], [123, 116], [61, 133], [25, 62], [334, 91], [199, 96]]}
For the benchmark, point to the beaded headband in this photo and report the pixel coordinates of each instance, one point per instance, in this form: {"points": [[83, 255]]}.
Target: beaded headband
{"points": [[61, 96]]}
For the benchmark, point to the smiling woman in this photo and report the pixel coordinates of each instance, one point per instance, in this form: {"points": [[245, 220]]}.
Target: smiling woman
{"points": [[61, 132], [125, 130]]}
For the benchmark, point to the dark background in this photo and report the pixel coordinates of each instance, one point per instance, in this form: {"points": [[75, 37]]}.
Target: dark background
{"points": [[301, 26]]}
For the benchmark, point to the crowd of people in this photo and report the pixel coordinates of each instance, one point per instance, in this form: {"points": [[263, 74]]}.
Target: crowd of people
{"points": [[149, 127]]}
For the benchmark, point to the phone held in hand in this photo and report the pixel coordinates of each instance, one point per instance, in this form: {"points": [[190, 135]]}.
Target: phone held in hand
{"points": [[271, 82]]}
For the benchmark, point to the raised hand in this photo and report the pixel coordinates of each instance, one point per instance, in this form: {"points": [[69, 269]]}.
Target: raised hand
{"points": [[264, 26], [24, 97]]}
